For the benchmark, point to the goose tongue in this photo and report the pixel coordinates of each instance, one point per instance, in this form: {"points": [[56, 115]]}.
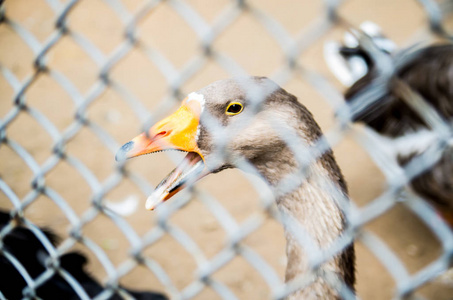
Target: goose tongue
{"points": [[186, 173]]}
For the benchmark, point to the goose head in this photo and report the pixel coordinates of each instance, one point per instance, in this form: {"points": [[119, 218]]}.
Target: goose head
{"points": [[253, 120], [221, 124]]}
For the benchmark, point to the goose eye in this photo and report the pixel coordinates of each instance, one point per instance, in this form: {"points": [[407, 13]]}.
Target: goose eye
{"points": [[234, 108]]}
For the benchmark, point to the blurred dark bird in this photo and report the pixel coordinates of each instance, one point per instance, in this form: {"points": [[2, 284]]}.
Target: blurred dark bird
{"points": [[22, 243], [428, 72]]}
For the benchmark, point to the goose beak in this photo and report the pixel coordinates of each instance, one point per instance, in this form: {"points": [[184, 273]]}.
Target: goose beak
{"points": [[176, 132]]}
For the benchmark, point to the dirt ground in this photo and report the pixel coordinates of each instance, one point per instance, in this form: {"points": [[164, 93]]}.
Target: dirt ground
{"points": [[247, 42]]}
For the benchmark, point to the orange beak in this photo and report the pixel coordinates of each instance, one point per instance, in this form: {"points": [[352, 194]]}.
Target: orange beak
{"points": [[176, 132]]}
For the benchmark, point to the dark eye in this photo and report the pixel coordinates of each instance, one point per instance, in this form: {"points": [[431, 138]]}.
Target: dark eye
{"points": [[234, 108]]}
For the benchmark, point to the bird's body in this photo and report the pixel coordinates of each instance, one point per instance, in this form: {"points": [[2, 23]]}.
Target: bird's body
{"points": [[252, 119], [27, 249], [429, 73]]}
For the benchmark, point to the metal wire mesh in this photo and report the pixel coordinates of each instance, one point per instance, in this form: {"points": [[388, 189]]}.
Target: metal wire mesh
{"points": [[71, 94]]}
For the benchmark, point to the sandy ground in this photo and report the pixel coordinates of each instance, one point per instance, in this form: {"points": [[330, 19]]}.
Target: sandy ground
{"points": [[245, 41]]}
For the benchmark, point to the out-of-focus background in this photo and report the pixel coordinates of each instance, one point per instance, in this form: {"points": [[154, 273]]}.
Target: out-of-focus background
{"points": [[80, 78]]}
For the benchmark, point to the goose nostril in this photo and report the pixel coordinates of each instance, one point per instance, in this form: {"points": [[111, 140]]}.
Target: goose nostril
{"points": [[162, 134]]}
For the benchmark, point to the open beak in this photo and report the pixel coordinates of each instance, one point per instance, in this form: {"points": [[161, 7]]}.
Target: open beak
{"points": [[176, 132]]}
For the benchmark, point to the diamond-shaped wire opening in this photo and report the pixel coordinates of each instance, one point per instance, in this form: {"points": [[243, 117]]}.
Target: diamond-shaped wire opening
{"points": [[149, 86], [87, 149], [82, 74], [71, 185], [31, 136], [173, 261], [254, 39], [108, 31], [173, 42], [365, 183], [47, 97]]}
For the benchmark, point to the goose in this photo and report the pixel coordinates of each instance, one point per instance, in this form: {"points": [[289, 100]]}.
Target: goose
{"points": [[258, 132], [429, 73], [27, 249]]}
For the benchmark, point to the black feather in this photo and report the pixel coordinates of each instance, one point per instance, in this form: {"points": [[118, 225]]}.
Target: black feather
{"points": [[22, 243]]}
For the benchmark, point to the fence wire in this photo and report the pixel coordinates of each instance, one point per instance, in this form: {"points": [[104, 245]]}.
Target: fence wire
{"points": [[36, 194]]}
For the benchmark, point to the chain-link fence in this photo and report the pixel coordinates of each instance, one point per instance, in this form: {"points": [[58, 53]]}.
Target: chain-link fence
{"points": [[80, 78]]}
